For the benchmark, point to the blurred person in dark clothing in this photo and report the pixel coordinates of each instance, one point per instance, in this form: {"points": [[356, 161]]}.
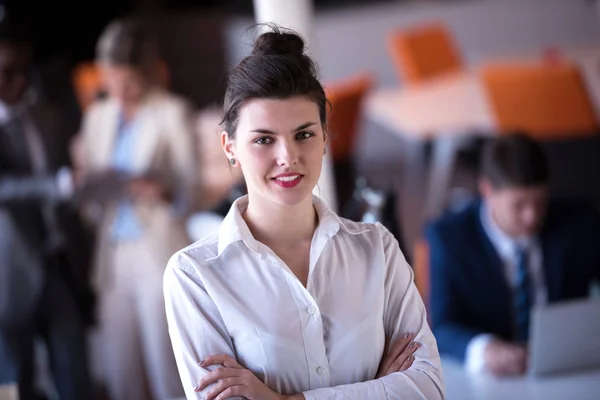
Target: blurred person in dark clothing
{"points": [[508, 251], [43, 258]]}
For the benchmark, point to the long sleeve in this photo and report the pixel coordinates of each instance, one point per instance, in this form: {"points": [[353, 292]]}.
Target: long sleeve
{"points": [[452, 334], [404, 312], [195, 324]]}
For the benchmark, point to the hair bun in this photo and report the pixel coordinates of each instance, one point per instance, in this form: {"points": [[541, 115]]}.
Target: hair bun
{"points": [[279, 43]]}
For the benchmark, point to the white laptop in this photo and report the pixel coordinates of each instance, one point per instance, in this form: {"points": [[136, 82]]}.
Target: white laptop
{"points": [[564, 337]]}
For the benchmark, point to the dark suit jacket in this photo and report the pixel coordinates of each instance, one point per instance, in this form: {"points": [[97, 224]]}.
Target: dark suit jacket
{"points": [[23, 233], [469, 291]]}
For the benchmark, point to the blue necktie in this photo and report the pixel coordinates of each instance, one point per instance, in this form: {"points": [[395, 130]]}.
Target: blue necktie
{"points": [[522, 296]]}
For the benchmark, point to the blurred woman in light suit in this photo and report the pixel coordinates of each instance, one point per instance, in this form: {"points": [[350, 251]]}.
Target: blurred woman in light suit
{"points": [[137, 145]]}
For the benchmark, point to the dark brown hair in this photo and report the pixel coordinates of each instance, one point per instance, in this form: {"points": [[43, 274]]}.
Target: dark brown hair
{"points": [[128, 42], [277, 68], [514, 160]]}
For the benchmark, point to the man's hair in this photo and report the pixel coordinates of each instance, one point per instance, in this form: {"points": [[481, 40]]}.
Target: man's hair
{"points": [[514, 160]]}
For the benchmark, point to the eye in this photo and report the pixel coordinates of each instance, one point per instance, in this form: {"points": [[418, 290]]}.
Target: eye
{"points": [[264, 140], [304, 135]]}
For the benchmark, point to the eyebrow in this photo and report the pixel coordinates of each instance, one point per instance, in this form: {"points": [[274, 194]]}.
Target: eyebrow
{"points": [[301, 127]]}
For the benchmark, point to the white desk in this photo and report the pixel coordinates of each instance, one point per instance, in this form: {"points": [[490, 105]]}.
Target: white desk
{"points": [[583, 385], [452, 104]]}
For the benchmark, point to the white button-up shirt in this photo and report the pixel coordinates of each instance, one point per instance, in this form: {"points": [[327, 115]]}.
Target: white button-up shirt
{"points": [[231, 294]]}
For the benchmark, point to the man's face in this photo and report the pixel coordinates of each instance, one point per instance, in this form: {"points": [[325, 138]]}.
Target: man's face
{"points": [[518, 211], [14, 72]]}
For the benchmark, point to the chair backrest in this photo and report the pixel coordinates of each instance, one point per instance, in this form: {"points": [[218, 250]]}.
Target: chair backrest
{"points": [[544, 100], [424, 52], [88, 82], [346, 100], [421, 268]]}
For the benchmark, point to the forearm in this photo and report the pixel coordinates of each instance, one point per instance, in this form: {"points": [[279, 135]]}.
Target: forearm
{"points": [[415, 383], [28, 188]]}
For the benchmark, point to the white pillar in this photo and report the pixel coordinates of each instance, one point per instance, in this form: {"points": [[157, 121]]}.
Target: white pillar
{"points": [[298, 15]]}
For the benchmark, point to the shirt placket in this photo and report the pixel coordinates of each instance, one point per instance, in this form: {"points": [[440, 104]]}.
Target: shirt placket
{"points": [[312, 335], [312, 328]]}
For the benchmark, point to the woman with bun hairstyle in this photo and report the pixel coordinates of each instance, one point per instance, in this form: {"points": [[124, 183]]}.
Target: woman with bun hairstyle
{"points": [[288, 300]]}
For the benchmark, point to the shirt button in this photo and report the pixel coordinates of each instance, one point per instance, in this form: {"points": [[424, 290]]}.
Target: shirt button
{"points": [[321, 371], [311, 310]]}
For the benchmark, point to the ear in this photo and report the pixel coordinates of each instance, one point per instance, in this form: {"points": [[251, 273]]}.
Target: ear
{"points": [[485, 187], [228, 145], [326, 137]]}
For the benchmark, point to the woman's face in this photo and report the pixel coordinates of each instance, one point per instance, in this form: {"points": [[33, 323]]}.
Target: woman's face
{"points": [[124, 83], [279, 145]]}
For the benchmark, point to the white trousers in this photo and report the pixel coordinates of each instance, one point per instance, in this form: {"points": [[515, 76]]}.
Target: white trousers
{"points": [[137, 357]]}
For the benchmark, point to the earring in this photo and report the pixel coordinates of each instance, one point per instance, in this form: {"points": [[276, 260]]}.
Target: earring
{"points": [[232, 161], [324, 150]]}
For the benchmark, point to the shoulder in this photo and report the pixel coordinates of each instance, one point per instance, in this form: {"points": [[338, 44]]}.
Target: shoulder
{"points": [[98, 113], [195, 258], [372, 236], [355, 228], [455, 224], [100, 106], [168, 103]]}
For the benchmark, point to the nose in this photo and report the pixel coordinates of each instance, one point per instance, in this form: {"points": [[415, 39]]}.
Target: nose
{"points": [[287, 153]]}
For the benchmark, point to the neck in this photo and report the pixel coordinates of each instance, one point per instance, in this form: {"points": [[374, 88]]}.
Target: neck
{"points": [[128, 110], [500, 227], [281, 224]]}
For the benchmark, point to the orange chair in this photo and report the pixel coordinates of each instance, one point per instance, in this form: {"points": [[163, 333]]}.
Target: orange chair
{"points": [[346, 99], [421, 268], [424, 52], [545, 100], [88, 82]]}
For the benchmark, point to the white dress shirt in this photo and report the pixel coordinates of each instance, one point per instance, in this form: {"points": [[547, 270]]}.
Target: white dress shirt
{"points": [[507, 249], [231, 294]]}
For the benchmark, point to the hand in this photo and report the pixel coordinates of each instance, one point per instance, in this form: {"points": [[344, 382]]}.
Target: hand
{"points": [[146, 189], [400, 358], [504, 358], [233, 380]]}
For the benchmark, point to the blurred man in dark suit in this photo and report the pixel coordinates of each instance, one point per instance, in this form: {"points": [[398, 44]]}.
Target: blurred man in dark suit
{"points": [[506, 252], [43, 259]]}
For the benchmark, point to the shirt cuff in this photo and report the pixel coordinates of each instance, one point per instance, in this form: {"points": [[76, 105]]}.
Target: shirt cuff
{"points": [[475, 354], [64, 183]]}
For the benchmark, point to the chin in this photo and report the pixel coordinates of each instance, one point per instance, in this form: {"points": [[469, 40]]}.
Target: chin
{"points": [[289, 197]]}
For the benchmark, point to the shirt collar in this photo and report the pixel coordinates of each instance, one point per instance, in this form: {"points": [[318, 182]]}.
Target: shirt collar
{"points": [[234, 228], [504, 243]]}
